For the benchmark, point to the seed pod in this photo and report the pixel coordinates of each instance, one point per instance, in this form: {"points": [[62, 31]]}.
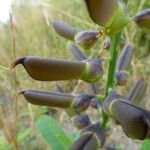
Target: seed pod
{"points": [[45, 69], [97, 130], [134, 121], [137, 92], [78, 55], [87, 141], [125, 57], [142, 19], [86, 39], [121, 78], [109, 14], [65, 30], [81, 120], [48, 98], [82, 102]]}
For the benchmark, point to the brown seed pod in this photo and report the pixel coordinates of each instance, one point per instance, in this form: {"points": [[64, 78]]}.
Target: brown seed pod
{"points": [[87, 39], [87, 141], [142, 19], [109, 14], [45, 69], [65, 30], [134, 121], [101, 11], [37, 97]]}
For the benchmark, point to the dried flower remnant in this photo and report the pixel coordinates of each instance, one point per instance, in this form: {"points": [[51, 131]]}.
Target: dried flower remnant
{"points": [[82, 102], [137, 92], [45, 69], [87, 39], [81, 121], [77, 53], [142, 19], [65, 30], [97, 130], [87, 141], [121, 78], [125, 57]]}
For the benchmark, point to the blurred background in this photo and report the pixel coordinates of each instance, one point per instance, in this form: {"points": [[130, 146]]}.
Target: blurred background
{"points": [[25, 29]]}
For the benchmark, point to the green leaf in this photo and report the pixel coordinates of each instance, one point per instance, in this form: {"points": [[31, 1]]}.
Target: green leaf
{"points": [[145, 145], [23, 134], [53, 133]]}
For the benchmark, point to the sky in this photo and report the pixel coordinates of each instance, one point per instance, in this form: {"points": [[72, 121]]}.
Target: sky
{"points": [[4, 10]]}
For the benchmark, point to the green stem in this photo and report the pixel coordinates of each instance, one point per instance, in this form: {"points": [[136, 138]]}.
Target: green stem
{"points": [[111, 71]]}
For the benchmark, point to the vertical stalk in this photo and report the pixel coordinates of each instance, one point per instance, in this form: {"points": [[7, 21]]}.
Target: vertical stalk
{"points": [[15, 78], [111, 71]]}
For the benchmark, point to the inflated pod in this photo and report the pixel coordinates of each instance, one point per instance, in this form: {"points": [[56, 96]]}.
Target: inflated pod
{"points": [[87, 39], [137, 92], [81, 121], [109, 14], [125, 57], [121, 78], [65, 30], [78, 55], [87, 141], [78, 102], [135, 121], [142, 19], [45, 69], [43, 98]]}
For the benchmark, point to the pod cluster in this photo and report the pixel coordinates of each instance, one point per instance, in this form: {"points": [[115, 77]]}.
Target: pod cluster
{"points": [[112, 17]]}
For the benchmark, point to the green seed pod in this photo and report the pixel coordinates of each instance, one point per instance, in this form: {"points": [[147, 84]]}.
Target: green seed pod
{"points": [[134, 121], [87, 141], [81, 120], [45, 69], [78, 55], [97, 130], [48, 98], [142, 19], [125, 57], [65, 30], [137, 92], [121, 78], [109, 14], [86, 39]]}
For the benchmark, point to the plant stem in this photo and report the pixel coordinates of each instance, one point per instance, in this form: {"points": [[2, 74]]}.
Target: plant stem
{"points": [[111, 71]]}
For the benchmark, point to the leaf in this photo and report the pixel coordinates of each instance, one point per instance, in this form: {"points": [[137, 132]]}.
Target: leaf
{"points": [[145, 145], [23, 134], [53, 133]]}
